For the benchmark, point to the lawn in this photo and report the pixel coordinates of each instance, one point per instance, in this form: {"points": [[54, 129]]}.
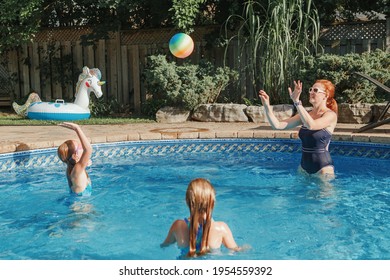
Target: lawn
{"points": [[10, 118]]}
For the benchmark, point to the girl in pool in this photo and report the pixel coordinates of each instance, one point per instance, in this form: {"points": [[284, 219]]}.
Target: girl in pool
{"points": [[199, 233], [76, 155], [317, 124]]}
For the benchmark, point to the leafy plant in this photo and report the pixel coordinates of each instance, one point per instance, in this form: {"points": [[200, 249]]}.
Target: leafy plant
{"points": [[339, 69], [112, 108], [252, 102], [18, 21], [151, 106], [186, 85]]}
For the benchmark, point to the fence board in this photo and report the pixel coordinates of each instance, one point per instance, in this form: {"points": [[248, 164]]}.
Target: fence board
{"points": [[343, 47], [69, 83], [112, 74], [124, 75], [135, 77], [101, 61], [35, 79], [78, 57], [13, 70], [89, 55], [23, 60], [55, 72], [119, 90], [142, 63], [130, 57], [46, 81], [381, 44], [366, 45]]}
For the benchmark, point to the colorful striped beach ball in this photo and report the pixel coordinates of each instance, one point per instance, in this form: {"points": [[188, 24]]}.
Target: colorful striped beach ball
{"points": [[181, 45]]}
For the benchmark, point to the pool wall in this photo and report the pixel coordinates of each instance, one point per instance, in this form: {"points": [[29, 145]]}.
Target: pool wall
{"points": [[48, 157]]}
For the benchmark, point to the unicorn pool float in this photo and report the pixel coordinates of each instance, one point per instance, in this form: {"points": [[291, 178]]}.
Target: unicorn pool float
{"points": [[89, 81]]}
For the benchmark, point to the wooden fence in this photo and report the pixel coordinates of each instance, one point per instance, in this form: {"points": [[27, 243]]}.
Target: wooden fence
{"points": [[51, 63], [360, 37]]}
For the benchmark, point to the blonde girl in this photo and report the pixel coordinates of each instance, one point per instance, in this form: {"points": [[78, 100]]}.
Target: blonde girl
{"points": [[199, 233]]}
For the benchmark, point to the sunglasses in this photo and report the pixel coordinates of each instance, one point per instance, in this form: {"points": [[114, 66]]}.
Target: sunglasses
{"points": [[316, 90]]}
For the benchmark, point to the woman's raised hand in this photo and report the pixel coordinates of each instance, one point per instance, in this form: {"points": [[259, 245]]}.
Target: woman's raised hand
{"points": [[264, 97], [294, 95]]}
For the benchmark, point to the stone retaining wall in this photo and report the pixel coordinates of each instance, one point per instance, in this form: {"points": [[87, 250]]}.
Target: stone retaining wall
{"points": [[221, 112]]}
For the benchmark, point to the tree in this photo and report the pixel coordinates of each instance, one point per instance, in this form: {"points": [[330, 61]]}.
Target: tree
{"points": [[19, 19], [345, 10], [185, 13]]}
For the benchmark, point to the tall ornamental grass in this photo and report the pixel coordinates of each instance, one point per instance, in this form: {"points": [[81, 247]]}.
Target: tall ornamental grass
{"points": [[273, 42]]}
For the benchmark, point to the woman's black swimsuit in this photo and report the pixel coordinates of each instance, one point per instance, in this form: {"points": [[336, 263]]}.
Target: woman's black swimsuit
{"points": [[315, 154]]}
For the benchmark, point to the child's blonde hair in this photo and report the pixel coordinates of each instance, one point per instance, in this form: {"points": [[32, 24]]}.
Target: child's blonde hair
{"points": [[200, 198]]}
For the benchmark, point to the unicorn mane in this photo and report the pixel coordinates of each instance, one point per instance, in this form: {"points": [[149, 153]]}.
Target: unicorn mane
{"points": [[87, 73]]}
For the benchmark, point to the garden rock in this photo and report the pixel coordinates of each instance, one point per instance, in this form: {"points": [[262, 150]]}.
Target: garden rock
{"points": [[220, 113], [354, 113], [283, 111], [172, 115], [377, 110], [256, 114]]}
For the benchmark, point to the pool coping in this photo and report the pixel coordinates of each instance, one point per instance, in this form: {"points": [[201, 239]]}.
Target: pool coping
{"points": [[26, 138]]}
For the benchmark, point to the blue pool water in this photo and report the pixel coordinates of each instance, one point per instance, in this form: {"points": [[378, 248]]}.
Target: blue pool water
{"points": [[139, 190]]}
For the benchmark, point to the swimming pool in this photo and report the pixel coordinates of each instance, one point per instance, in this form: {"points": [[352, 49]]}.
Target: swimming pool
{"points": [[139, 189]]}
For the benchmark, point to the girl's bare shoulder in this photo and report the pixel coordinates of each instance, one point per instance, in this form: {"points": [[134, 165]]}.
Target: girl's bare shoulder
{"points": [[220, 225]]}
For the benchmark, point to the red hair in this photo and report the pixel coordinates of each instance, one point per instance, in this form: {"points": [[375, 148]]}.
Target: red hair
{"points": [[330, 89], [66, 150]]}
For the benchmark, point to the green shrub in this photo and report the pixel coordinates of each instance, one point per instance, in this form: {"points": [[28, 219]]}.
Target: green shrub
{"points": [[151, 106], [112, 108], [339, 69], [186, 85]]}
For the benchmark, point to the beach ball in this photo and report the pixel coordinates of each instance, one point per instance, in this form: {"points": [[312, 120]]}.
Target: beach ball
{"points": [[181, 45]]}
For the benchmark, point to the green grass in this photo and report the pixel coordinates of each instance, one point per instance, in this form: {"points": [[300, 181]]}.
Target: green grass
{"points": [[15, 120]]}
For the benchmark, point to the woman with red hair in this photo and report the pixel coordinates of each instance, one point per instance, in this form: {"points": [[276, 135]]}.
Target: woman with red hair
{"points": [[317, 125]]}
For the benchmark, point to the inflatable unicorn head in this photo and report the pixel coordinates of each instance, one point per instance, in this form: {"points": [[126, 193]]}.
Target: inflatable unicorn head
{"points": [[89, 81]]}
